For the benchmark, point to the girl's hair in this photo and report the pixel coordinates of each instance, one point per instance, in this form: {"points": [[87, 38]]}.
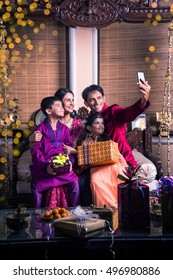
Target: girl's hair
{"points": [[92, 118]]}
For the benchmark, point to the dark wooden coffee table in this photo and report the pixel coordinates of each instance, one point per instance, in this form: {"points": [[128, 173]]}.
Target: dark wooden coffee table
{"points": [[39, 241]]}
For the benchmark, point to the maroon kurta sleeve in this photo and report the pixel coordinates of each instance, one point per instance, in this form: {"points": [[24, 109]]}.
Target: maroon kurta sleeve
{"points": [[116, 119], [128, 114]]}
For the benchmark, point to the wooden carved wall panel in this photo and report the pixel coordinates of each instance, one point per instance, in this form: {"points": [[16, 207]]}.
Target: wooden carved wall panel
{"points": [[88, 13], [99, 13], [139, 13]]}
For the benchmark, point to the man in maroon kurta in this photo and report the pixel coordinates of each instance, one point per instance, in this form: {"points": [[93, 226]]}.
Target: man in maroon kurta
{"points": [[115, 116], [116, 119]]}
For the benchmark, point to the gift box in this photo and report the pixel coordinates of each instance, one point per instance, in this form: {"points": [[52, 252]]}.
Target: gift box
{"points": [[60, 164], [165, 193], [99, 153], [70, 226], [133, 204], [108, 214]]}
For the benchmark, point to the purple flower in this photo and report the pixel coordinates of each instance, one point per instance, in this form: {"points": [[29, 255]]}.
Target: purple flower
{"points": [[165, 185]]}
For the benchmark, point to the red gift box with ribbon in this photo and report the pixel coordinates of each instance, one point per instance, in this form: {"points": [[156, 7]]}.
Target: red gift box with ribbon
{"points": [[133, 201]]}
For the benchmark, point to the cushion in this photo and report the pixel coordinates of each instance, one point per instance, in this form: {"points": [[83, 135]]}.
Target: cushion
{"points": [[148, 170], [23, 166], [153, 185]]}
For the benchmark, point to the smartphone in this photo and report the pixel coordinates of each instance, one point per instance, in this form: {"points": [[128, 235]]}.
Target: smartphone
{"points": [[141, 77]]}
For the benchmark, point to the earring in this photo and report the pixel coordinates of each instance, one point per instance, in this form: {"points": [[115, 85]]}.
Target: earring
{"points": [[90, 134]]}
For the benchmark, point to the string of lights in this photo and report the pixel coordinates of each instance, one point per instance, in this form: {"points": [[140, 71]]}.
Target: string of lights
{"points": [[3, 113], [9, 117]]}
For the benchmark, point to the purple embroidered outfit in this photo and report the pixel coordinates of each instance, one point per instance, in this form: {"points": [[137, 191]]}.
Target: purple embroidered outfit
{"points": [[51, 145]]}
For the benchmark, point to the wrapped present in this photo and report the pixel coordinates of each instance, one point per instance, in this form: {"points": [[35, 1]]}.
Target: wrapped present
{"points": [[165, 193], [108, 214], [69, 227], [80, 223], [61, 164], [99, 153], [133, 202]]}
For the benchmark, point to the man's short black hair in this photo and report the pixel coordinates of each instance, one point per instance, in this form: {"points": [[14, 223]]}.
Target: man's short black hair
{"points": [[89, 89]]}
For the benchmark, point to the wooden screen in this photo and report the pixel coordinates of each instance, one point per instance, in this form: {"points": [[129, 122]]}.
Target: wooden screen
{"points": [[124, 50], [41, 71]]}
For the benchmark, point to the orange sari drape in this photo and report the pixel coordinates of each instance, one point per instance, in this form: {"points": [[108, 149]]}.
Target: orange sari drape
{"points": [[104, 183]]}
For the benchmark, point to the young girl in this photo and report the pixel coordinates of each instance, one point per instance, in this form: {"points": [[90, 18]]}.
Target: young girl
{"points": [[104, 179], [54, 135]]}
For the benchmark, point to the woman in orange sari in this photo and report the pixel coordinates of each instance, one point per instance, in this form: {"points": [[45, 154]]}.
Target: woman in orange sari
{"points": [[104, 179]]}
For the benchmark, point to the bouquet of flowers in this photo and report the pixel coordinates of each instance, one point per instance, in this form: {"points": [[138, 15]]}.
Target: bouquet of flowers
{"points": [[165, 185], [61, 163]]}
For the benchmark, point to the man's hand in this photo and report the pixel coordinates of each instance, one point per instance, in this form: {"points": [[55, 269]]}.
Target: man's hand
{"points": [[145, 89]]}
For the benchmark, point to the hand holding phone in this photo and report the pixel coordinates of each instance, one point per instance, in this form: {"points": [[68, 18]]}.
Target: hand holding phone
{"points": [[141, 77]]}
